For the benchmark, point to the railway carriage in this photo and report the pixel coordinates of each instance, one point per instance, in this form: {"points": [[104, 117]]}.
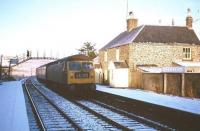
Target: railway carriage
{"points": [[74, 72]]}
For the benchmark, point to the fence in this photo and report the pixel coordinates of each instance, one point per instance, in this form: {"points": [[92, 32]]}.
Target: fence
{"points": [[181, 84]]}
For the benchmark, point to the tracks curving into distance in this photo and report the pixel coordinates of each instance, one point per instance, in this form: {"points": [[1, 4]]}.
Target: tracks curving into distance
{"points": [[49, 116], [82, 114]]}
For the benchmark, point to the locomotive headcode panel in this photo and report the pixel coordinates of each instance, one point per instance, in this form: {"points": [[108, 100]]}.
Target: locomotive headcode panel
{"points": [[81, 72]]}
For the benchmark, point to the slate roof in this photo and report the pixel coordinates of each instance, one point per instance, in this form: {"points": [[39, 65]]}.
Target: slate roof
{"points": [[155, 34]]}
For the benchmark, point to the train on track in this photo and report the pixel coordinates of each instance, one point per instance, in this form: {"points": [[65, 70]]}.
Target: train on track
{"points": [[74, 73]]}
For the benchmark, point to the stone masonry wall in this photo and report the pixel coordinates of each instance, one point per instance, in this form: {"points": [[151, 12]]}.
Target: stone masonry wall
{"points": [[111, 56], [159, 54]]}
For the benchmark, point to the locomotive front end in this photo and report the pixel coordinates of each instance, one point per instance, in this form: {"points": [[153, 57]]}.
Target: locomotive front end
{"points": [[81, 75]]}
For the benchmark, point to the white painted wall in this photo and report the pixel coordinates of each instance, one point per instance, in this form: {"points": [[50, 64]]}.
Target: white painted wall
{"points": [[119, 77]]}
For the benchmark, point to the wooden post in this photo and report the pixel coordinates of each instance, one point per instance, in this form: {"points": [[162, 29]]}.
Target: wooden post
{"points": [[1, 67], [165, 83], [183, 84], [9, 69]]}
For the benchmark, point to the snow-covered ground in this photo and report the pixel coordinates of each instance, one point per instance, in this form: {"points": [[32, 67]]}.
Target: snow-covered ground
{"points": [[28, 68], [175, 102], [13, 115]]}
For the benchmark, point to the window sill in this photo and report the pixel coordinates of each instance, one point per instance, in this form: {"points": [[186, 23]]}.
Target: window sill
{"points": [[187, 59]]}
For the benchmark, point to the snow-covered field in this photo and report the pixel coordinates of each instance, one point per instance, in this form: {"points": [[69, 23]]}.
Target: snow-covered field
{"points": [[176, 102], [13, 116], [28, 68]]}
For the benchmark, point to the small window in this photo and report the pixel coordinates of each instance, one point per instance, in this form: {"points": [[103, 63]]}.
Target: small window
{"points": [[117, 54], [187, 53], [105, 56]]}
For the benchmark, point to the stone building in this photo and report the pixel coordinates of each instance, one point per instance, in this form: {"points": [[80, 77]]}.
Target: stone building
{"points": [[151, 46]]}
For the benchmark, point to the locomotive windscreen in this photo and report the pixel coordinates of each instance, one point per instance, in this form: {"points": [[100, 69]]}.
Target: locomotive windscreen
{"points": [[74, 66], [77, 66]]}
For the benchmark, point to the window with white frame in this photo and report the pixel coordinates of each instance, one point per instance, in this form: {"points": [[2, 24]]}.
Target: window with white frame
{"points": [[105, 56], [187, 53], [117, 54]]}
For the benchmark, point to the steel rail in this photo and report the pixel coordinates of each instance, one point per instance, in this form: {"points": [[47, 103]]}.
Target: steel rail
{"points": [[39, 119], [133, 116], [102, 117], [77, 127]]}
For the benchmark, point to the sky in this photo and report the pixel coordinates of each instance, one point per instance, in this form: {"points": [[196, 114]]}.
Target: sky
{"points": [[60, 27]]}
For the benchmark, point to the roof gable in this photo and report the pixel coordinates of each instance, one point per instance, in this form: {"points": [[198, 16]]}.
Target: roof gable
{"points": [[123, 38], [156, 34]]}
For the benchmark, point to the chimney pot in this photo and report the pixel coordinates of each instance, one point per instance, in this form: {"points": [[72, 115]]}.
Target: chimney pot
{"points": [[131, 22], [189, 19]]}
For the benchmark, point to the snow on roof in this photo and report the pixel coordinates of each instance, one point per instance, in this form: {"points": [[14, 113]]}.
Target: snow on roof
{"points": [[155, 34], [163, 69], [188, 63], [180, 103], [151, 69]]}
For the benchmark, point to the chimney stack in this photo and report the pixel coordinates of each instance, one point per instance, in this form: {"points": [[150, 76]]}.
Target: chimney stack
{"points": [[189, 19], [131, 22]]}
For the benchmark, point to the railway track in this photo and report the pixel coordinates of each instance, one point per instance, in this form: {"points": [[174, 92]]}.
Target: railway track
{"points": [[49, 116], [89, 114], [120, 117]]}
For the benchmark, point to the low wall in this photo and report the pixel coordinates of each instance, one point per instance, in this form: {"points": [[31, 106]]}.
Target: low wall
{"points": [[187, 84]]}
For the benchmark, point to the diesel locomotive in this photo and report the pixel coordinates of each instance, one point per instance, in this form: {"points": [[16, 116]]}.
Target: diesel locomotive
{"points": [[74, 73]]}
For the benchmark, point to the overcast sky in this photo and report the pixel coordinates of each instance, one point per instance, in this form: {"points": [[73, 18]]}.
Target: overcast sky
{"points": [[62, 26]]}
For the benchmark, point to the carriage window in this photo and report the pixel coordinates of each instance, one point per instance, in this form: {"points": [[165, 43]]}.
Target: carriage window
{"points": [[74, 66], [87, 65]]}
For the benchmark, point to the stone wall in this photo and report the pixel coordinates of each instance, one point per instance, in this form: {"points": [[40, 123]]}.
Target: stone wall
{"points": [[111, 56], [159, 54], [104, 65]]}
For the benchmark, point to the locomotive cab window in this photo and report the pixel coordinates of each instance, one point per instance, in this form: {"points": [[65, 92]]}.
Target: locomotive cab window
{"points": [[77, 65], [74, 66], [87, 66]]}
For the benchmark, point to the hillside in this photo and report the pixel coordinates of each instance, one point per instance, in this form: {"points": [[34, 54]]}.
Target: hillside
{"points": [[28, 68]]}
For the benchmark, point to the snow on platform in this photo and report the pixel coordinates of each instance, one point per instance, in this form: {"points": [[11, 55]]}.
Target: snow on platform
{"points": [[13, 115], [175, 102]]}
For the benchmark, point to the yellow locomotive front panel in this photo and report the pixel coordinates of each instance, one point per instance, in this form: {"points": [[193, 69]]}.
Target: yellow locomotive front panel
{"points": [[80, 72]]}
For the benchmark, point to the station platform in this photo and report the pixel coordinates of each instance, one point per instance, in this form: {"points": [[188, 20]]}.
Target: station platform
{"points": [[13, 115], [191, 105]]}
